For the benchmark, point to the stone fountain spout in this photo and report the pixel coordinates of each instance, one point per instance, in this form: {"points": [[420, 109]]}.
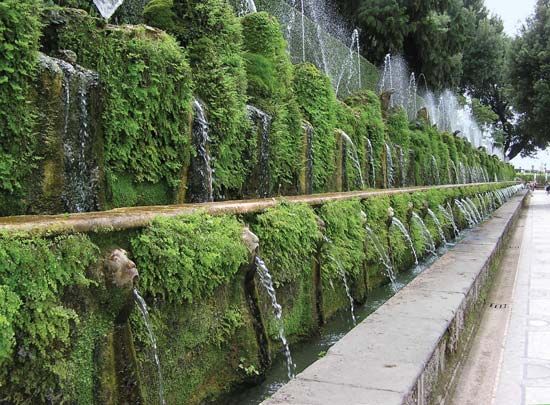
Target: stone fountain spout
{"points": [[251, 241], [121, 276]]}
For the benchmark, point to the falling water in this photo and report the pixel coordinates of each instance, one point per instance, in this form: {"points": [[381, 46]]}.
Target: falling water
{"points": [[353, 156], [455, 170], [348, 65], [383, 256], [107, 7], [247, 7], [474, 209], [484, 209], [145, 315], [412, 107], [435, 170], [449, 216], [403, 167], [308, 129], [370, 152], [428, 239], [437, 223], [262, 122], [389, 166], [471, 221], [267, 282], [342, 274], [200, 177], [396, 222], [80, 170], [386, 82]]}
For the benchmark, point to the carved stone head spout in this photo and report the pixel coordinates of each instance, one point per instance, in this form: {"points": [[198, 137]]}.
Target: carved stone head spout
{"points": [[120, 271]]}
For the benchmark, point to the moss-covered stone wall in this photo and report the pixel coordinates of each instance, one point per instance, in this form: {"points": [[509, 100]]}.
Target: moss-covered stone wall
{"points": [[66, 335]]}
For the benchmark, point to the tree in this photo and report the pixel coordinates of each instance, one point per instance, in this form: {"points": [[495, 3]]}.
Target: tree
{"points": [[484, 73], [529, 74]]}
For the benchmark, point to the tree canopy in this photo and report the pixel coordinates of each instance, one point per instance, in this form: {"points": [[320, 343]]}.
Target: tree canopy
{"points": [[529, 72]]}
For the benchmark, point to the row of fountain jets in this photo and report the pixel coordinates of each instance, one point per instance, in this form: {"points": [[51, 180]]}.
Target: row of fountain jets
{"points": [[474, 214]]}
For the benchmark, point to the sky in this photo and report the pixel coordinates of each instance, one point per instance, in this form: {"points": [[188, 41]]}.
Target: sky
{"points": [[513, 14]]}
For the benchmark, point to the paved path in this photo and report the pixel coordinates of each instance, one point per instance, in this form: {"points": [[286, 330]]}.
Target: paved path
{"points": [[509, 362]]}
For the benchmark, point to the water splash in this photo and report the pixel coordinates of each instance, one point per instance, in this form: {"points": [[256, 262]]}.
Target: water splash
{"points": [[309, 132], [466, 213], [412, 106], [342, 274], [145, 315], [437, 223], [349, 66], [449, 216], [201, 173], [262, 122], [267, 282], [428, 239], [435, 170], [474, 209], [383, 256], [353, 156], [107, 7], [246, 7], [372, 164], [397, 223], [389, 166]]}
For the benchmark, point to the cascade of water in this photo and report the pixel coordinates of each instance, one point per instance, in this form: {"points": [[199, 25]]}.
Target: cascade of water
{"points": [[384, 258], [107, 7], [316, 10], [474, 209], [145, 315], [435, 169], [455, 170], [466, 212], [412, 107], [389, 166], [397, 223], [386, 83], [348, 66], [342, 274], [449, 215], [428, 239], [370, 152], [267, 283], [353, 156], [306, 126], [484, 211], [200, 176], [262, 122], [81, 174], [437, 223]]}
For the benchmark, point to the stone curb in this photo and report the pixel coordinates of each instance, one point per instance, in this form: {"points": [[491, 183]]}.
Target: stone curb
{"points": [[401, 353]]}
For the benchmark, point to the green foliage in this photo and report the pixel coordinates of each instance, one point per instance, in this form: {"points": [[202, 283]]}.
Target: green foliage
{"points": [[288, 237], [187, 257], [270, 75], [8, 312], [148, 93], [212, 34], [318, 105], [530, 79], [345, 230], [19, 34], [368, 104], [38, 271]]}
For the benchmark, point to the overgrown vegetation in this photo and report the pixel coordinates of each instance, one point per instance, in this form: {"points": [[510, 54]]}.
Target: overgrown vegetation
{"points": [[188, 257], [20, 29]]}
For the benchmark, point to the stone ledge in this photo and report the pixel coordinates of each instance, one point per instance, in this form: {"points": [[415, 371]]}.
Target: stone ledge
{"points": [[399, 353]]}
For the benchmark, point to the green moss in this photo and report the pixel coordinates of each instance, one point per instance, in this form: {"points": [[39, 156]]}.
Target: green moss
{"points": [[124, 192], [270, 75], [19, 34], [368, 105], [343, 253], [288, 237], [376, 210], [148, 92], [45, 325], [188, 257], [318, 105]]}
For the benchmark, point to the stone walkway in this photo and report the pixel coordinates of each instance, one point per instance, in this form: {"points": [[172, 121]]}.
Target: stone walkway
{"points": [[509, 362]]}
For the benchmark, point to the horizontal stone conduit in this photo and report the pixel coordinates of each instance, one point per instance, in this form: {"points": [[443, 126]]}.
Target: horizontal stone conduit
{"points": [[406, 351], [138, 217]]}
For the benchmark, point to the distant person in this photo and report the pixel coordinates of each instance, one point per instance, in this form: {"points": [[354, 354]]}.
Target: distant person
{"points": [[547, 188]]}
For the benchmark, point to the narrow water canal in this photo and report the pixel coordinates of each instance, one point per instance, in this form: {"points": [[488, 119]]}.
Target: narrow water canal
{"points": [[307, 352]]}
